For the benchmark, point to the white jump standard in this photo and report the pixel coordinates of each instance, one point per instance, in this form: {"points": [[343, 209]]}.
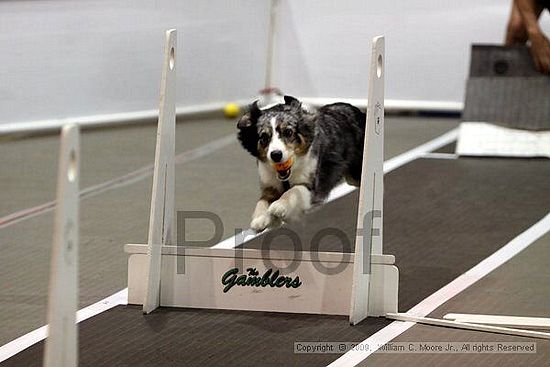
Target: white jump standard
{"points": [[62, 341], [161, 219], [239, 279]]}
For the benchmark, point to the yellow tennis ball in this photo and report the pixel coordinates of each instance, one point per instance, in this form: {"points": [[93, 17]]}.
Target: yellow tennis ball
{"points": [[231, 110]]}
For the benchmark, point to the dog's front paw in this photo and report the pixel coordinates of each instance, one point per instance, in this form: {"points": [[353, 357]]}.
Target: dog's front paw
{"points": [[260, 223], [278, 209]]}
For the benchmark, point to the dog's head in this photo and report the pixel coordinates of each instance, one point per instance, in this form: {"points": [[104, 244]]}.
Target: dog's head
{"points": [[278, 135]]}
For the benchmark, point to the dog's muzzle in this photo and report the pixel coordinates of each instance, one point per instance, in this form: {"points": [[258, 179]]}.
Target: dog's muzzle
{"points": [[284, 169]]}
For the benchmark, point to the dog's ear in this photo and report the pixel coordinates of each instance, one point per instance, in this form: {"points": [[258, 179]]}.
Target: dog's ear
{"points": [[250, 118], [292, 102], [306, 129], [248, 133]]}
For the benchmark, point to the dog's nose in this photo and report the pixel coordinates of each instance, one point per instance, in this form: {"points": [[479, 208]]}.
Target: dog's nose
{"points": [[276, 156]]}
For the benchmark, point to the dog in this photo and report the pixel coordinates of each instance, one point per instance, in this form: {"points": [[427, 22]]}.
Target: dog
{"points": [[301, 155]]}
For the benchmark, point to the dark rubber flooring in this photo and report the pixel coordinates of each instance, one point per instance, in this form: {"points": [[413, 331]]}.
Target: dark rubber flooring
{"points": [[519, 287]]}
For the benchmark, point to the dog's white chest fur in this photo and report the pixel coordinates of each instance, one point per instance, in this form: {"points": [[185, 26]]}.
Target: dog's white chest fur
{"points": [[304, 170], [268, 176]]}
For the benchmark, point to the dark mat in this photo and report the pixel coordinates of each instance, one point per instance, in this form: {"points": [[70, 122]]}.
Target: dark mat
{"points": [[520, 286], [504, 88], [504, 291], [441, 218], [123, 336], [426, 333]]}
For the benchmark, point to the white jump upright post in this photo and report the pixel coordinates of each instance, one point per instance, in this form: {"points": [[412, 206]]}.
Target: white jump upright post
{"points": [[370, 212], [161, 222], [62, 341], [269, 94]]}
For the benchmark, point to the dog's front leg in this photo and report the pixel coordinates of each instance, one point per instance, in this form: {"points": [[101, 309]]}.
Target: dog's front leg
{"points": [[292, 204], [261, 219]]}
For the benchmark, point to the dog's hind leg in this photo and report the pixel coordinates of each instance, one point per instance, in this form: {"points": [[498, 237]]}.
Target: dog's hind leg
{"points": [[329, 175]]}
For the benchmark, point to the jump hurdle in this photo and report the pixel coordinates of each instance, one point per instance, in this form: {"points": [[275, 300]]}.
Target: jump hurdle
{"points": [[62, 340], [238, 279]]}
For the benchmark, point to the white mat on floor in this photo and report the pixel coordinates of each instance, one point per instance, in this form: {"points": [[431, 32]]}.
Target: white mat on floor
{"points": [[484, 139]]}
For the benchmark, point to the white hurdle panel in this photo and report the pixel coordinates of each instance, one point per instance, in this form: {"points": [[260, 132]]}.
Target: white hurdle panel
{"points": [[357, 290], [62, 340], [161, 218]]}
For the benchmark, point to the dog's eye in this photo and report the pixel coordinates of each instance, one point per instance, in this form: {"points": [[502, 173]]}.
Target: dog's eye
{"points": [[264, 138], [287, 133]]}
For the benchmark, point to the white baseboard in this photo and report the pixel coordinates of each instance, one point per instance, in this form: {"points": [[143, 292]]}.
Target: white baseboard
{"points": [[391, 106], [110, 119]]}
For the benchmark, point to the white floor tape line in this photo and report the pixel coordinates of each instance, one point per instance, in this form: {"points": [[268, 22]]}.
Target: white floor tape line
{"points": [[23, 342], [417, 152], [344, 189], [440, 156], [396, 328]]}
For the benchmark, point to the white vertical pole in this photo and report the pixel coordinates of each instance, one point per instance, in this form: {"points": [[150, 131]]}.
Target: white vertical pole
{"points": [[270, 94], [370, 212], [161, 219], [62, 342], [271, 39]]}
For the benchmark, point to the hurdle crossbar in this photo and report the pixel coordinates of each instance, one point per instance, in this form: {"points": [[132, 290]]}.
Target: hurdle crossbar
{"points": [[501, 320]]}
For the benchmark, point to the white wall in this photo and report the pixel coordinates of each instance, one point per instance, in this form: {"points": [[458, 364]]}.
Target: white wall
{"points": [[63, 58], [323, 47]]}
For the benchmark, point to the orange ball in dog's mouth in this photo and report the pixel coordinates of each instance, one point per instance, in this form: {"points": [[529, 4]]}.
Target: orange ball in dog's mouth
{"points": [[284, 169]]}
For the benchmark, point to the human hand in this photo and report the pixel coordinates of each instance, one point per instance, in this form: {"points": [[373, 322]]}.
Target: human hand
{"points": [[540, 50]]}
